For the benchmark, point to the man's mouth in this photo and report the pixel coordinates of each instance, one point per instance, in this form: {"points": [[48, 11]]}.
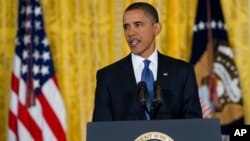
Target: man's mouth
{"points": [[133, 43]]}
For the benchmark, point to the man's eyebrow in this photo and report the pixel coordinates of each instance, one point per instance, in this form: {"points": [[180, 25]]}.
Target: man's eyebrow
{"points": [[126, 24], [137, 22]]}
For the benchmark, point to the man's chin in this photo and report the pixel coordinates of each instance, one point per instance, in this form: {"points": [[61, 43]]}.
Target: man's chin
{"points": [[136, 52]]}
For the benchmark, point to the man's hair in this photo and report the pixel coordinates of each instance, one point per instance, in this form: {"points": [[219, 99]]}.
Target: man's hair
{"points": [[147, 9]]}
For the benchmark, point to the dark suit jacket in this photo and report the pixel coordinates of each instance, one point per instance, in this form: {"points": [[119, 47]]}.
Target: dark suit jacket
{"points": [[117, 98]]}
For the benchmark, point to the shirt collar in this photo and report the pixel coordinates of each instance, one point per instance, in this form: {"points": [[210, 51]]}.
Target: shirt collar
{"points": [[137, 60]]}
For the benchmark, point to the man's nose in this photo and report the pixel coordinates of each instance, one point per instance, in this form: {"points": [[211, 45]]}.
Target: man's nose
{"points": [[131, 31]]}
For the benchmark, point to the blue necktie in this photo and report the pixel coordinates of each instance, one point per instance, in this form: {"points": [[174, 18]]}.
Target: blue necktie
{"points": [[148, 77]]}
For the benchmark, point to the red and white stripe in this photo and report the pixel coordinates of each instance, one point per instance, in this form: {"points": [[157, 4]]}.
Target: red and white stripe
{"points": [[45, 121], [206, 110]]}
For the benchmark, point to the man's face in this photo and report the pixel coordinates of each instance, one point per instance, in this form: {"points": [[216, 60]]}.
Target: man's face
{"points": [[140, 32]]}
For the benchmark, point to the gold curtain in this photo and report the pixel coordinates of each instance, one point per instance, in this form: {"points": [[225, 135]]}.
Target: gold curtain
{"points": [[86, 35], [237, 18]]}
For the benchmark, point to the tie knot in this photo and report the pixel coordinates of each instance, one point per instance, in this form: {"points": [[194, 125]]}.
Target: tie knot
{"points": [[146, 63]]}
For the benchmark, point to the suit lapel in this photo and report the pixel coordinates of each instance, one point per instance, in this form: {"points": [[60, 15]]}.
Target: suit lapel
{"points": [[128, 80], [163, 69], [164, 76], [127, 74]]}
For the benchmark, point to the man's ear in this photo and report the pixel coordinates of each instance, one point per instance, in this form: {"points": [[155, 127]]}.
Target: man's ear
{"points": [[157, 27]]}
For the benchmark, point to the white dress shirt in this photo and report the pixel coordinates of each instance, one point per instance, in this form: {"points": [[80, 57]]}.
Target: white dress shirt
{"points": [[138, 65]]}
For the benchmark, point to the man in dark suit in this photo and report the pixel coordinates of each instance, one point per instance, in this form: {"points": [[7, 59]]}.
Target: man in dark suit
{"points": [[117, 95]]}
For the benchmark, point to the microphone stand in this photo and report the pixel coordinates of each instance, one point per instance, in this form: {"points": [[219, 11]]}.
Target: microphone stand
{"points": [[157, 101], [142, 91]]}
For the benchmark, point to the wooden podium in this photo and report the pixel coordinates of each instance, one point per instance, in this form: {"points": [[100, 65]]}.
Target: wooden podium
{"points": [[155, 130]]}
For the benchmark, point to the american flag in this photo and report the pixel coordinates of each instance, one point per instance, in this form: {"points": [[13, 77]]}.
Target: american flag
{"points": [[36, 108]]}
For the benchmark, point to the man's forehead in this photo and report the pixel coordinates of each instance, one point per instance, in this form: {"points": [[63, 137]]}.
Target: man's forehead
{"points": [[136, 12], [134, 15]]}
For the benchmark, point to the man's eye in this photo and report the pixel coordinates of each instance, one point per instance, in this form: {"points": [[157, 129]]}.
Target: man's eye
{"points": [[138, 24], [125, 27]]}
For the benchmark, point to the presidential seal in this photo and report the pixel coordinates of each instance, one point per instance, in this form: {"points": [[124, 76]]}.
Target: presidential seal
{"points": [[153, 136]]}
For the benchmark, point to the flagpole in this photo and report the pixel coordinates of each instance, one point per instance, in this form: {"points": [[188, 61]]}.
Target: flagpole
{"points": [[209, 35], [30, 94], [210, 48]]}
